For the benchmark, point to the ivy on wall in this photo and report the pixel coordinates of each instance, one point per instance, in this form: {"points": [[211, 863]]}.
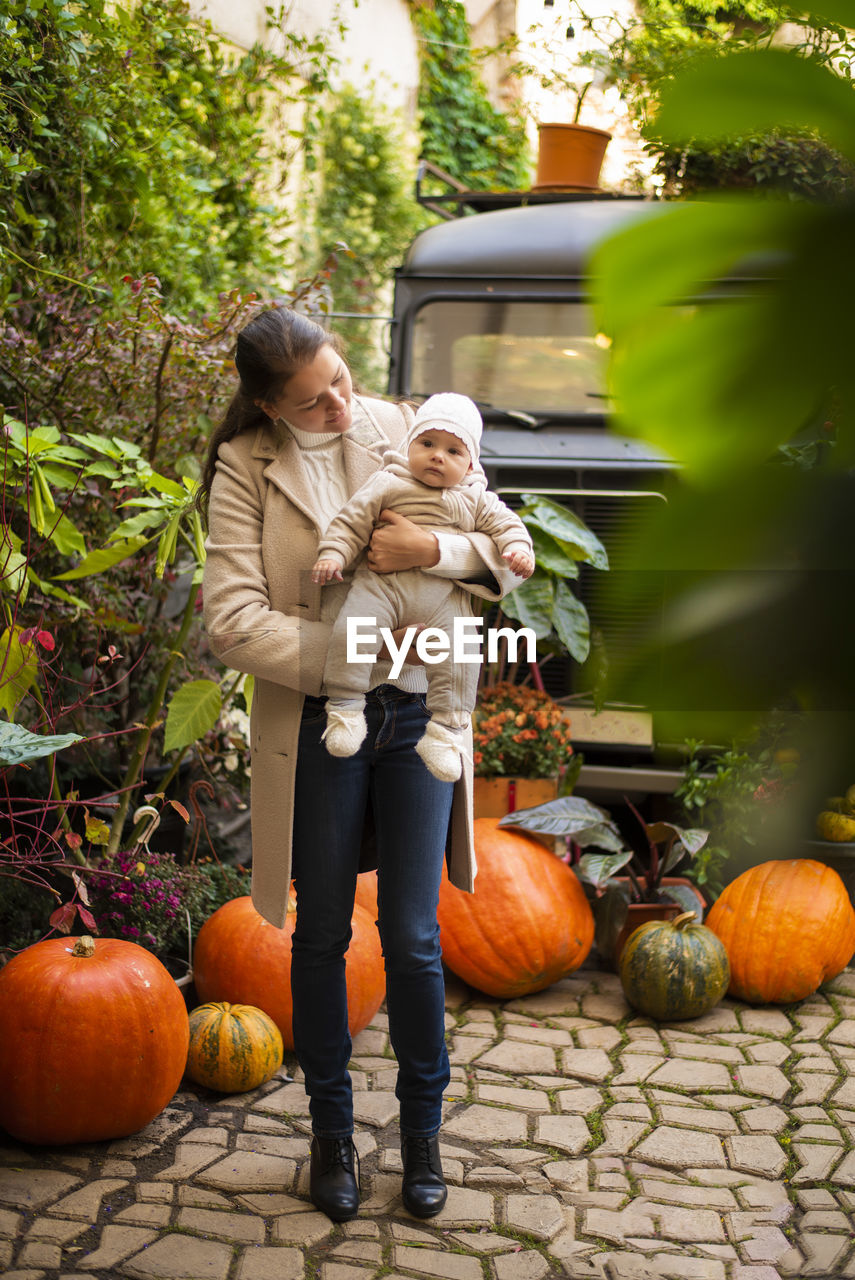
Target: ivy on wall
{"points": [[132, 139], [462, 132]]}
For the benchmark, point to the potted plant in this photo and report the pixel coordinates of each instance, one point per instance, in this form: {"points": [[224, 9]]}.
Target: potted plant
{"points": [[565, 61], [645, 891], [521, 741]]}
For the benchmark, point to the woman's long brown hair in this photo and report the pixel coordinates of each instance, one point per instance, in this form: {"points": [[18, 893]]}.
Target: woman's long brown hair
{"points": [[270, 349]]}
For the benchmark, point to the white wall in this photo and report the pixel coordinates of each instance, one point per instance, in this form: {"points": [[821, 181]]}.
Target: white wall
{"points": [[380, 45]]}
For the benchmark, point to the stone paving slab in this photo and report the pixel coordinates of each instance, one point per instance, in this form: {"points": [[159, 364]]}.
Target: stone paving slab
{"points": [[579, 1140]]}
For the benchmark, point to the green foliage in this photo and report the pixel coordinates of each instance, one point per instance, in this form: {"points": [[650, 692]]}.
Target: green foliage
{"points": [[19, 746], [131, 136], [726, 791], [544, 601], [758, 570], [462, 132], [668, 39], [366, 203]]}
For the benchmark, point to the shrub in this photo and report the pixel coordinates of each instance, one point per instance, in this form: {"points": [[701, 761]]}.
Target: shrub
{"points": [[521, 731]]}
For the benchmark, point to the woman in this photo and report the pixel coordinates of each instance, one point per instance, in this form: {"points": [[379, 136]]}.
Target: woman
{"points": [[295, 443]]}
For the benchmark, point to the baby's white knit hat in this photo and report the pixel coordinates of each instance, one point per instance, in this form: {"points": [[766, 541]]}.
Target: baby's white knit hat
{"points": [[449, 411]]}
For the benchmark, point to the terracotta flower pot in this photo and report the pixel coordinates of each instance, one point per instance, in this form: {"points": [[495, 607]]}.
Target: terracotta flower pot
{"points": [[610, 943], [569, 156], [495, 796]]}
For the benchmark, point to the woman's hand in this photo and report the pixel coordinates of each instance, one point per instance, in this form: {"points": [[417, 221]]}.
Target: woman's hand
{"points": [[399, 544]]}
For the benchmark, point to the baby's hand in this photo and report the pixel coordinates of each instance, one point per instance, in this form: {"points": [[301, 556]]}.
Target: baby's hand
{"points": [[324, 571], [520, 563]]}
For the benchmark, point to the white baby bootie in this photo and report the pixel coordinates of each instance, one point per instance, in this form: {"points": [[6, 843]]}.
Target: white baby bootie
{"points": [[346, 727], [441, 749]]}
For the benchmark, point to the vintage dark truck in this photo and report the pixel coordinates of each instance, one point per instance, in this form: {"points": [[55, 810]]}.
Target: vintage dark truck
{"points": [[494, 302]]}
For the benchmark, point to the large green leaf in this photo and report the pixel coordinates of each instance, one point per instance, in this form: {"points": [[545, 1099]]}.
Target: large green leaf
{"points": [[730, 368], [170, 488], [13, 563], [693, 245], [609, 918], [685, 897], [104, 558], [194, 710], [67, 538], [597, 869], [61, 477], [562, 817], [757, 91], [531, 604], [842, 11], [20, 669], [553, 555], [571, 622], [564, 524], [17, 744], [692, 838], [137, 524]]}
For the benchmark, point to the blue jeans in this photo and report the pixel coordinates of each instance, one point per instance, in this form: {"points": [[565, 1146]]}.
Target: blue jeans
{"points": [[411, 812]]}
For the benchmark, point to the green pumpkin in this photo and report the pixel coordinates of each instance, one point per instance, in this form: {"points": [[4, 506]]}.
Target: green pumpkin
{"points": [[673, 969]]}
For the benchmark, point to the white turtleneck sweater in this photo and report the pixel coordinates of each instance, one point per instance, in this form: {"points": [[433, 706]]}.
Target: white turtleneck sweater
{"points": [[323, 458]]}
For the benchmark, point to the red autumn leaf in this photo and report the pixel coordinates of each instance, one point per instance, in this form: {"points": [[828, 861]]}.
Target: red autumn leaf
{"points": [[46, 640], [88, 919], [180, 808], [82, 891], [63, 917], [73, 840]]}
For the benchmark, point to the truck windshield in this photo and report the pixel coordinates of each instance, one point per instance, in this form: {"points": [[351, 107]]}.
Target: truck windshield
{"points": [[540, 356]]}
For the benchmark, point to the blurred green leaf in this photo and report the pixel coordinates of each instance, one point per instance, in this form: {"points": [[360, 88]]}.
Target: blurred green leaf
{"points": [[758, 91]]}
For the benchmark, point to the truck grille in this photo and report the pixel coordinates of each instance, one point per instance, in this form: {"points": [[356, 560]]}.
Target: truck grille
{"points": [[614, 506]]}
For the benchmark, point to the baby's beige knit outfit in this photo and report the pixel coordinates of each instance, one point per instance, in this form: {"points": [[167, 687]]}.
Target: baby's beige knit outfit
{"points": [[395, 599]]}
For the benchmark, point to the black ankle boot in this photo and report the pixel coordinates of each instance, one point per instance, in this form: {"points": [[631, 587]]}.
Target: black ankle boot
{"points": [[423, 1190], [333, 1185]]}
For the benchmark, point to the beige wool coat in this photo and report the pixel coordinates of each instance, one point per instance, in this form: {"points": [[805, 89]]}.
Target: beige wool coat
{"points": [[262, 611]]}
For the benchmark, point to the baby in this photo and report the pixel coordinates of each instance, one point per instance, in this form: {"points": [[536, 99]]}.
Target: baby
{"points": [[437, 481]]}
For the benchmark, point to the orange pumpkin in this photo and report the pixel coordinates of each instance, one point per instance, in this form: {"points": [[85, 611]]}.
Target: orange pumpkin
{"points": [[233, 1047], [527, 924], [242, 958], [787, 927], [366, 892], [93, 1040]]}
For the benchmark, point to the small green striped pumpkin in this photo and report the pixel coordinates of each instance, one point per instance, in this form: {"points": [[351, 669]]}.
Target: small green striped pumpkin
{"points": [[233, 1047], [671, 970]]}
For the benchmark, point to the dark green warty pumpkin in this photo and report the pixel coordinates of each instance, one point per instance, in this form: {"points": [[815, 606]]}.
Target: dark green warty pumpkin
{"points": [[672, 969]]}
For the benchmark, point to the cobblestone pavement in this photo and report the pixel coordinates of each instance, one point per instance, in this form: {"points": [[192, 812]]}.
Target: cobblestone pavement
{"points": [[578, 1141]]}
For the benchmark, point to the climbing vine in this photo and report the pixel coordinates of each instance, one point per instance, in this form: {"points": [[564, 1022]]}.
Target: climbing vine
{"points": [[462, 132], [133, 139]]}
